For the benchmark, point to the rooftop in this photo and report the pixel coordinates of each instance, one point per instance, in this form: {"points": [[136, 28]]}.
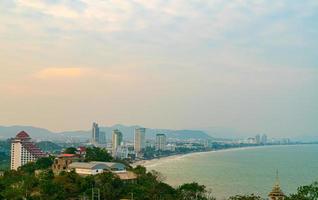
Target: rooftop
{"points": [[22, 135]]}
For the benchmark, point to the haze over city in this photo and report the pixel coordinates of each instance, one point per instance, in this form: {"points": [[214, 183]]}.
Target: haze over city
{"points": [[250, 66]]}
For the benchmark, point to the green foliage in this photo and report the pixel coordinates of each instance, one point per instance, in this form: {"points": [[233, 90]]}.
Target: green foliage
{"points": [[245, 197], [70, 150], [24, 184], [41, 163], [48, 146], [4, 161], [309, 192], [97, 154], [189, 191], [140, 170]]}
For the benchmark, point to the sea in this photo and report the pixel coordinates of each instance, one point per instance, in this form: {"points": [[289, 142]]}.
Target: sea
{"points": [[243, 170]]}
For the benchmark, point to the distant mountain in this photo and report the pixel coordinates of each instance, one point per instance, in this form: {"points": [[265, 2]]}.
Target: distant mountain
{"points": [[128, 132]]}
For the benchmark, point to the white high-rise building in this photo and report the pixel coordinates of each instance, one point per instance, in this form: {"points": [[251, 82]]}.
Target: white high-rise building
{"points": [[161, 142], [140, 142], [117, 139], [264, 139], [95, 134], [23, 150]]}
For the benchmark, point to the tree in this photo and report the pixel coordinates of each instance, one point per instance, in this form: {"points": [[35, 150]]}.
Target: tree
{"points": [[44, 163], [189, 191], [140, 170], [309, 192], [70, 150], [41, 163], [97, 154]]}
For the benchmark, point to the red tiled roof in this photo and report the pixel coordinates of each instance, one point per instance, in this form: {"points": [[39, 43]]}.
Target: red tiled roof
{"points": [[81, 149], [33, 149], [22, 135], [67, 155]]}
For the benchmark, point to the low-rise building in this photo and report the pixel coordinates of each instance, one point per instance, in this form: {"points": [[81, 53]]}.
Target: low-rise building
{"points": [[93, 168], [62, 162], [127, 176]]}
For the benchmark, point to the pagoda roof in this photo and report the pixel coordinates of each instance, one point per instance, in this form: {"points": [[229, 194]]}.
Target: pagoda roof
{"points": [[33, 149], [276, 191], [22, 135]]}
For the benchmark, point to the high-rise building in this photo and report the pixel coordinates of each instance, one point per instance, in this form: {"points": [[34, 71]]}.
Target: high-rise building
{"points": [[95, 134], [102, 137], [161, 142], [23, 150], [140, 143], [264, 139], [258, 139], [117, 139]]}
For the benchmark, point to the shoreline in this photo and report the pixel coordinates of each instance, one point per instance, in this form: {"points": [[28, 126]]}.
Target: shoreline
{"points": [[149, 163], [155, 161]]}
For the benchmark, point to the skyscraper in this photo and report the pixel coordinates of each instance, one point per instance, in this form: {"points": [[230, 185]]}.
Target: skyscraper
{"points": [[95, 133], [258, 139], [161, 142], [102, 137], [117, 139], [23, 150], [264, 139], [140, 143]]}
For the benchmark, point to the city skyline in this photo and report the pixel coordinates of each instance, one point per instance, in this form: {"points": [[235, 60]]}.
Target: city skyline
{"points": [[243, 65]]}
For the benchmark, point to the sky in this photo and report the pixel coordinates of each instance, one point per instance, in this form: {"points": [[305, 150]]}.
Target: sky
{"points": [[247, 65]]}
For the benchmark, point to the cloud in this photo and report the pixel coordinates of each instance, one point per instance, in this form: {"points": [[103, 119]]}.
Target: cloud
{"points": [[50, 73]]}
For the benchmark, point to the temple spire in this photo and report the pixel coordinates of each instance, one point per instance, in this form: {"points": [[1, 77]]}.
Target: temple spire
{"points": [[277, 178], [276, 193]]}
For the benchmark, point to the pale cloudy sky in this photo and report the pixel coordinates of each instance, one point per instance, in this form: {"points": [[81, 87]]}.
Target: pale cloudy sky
{"points": [[250, 65]]}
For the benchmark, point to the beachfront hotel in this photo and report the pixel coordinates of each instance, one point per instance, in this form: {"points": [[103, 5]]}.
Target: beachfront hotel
{"points": [[117, 139], [23, 150], [139, 140], [161, 142]]}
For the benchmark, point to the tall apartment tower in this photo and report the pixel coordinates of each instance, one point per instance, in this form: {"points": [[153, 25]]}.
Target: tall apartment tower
{"points": [[23, 150], [140, 143], [95, 134], [117, 139], [102, 137], [161, 141], [264, 139], [258, 139]]}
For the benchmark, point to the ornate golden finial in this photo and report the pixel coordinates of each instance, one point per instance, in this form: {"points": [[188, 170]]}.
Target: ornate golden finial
{"points": [[277, 178], [276, 193]]}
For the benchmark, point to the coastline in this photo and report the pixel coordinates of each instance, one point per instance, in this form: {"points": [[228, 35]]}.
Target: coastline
{"points": [[155, 161], [257, 179]]}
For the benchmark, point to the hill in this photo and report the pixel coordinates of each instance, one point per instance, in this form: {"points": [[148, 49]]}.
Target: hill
{"points": [[82, 135]]}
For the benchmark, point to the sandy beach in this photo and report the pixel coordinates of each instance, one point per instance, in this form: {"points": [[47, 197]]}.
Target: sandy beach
{"points": [[156, 161]]}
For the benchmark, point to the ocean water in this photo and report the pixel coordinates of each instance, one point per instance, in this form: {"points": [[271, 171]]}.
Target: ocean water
{"points": [[243, 171]]}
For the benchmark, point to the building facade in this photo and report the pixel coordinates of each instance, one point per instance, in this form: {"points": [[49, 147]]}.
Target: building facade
{"points": [[161, 141], [258, 139], [117, 139], [264, 139], [62, 162], [23, 150], [139, 140], [95, 134], [102, 138]]}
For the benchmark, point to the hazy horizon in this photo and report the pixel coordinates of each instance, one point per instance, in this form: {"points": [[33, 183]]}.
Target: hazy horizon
{"points": [[243, 65]]}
